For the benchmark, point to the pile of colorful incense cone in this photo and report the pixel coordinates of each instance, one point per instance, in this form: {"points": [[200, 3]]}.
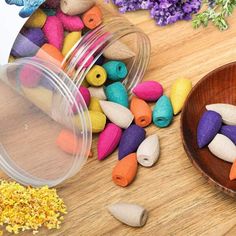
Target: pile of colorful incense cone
{"points": [[217, 129], [125, 128], [119, 120]]}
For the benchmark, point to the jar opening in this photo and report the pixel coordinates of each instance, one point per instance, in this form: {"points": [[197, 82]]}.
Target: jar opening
{"points": [[33, 118]]}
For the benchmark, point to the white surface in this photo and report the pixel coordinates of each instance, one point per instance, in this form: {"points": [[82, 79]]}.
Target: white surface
{"points": [[10, 25]]}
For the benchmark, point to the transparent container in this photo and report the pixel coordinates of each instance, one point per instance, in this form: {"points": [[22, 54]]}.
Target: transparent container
{"points": [[32, 118]]}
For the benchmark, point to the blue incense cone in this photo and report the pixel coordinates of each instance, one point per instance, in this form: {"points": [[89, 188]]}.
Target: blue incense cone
{"points": [[28, 43], [229, 131], [130, 140], [208, 126], [117, 93], [116, 70], [162, 115]]}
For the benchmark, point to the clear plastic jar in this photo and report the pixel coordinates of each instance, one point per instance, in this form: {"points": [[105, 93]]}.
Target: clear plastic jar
{"points": [[32, 118]]}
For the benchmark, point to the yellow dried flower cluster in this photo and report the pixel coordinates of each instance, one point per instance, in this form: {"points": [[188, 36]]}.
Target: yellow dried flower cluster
{"points": [[26, 208]]}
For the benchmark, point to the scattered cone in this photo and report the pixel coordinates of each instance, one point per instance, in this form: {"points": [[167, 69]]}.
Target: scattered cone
{"points": [[141, 111], [68, 142], [125, 170], [129, 214], [148, 151], [108, 140]]}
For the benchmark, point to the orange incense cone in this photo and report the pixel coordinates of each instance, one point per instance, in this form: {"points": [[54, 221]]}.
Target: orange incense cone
{"points": [[232, 174], [141, 111], [68, 142], [125, 170], [50, 53], [92, 18]]}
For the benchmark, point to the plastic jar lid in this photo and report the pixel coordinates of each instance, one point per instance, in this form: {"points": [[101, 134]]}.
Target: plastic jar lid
{"points": [[32, 118]]}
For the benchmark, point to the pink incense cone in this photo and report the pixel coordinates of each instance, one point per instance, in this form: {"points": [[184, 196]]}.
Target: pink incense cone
{"points": [[108, 140], [86, 96], [29, 76], [149, 91], [88, 62], [53, 30], [70, 23]]}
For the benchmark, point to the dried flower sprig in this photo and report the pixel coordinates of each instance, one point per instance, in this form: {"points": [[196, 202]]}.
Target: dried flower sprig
{"points": [[166, 12], [217, 11]]}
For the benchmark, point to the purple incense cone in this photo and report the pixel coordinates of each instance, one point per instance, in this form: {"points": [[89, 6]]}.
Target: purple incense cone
{"points": [[209, 125], [229, 131], [28, 42], [130, 140]]}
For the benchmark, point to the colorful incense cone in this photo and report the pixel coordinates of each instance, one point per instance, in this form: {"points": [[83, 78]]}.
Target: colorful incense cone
{"points": [[223, 148], [68, 142], [117, 114], [40, 97], [117, 93], [116, 70], [76, 7], [232, 174], [227, 111], [69, 41], [53, 30], [130, 140], [98, 93], [162, 115], [125, 170], [148, 151], [118, 51], [141, 111], [86, 97], [229, 131], [70, 23], [108, 140], [149, 91], [85, 94], [29, 76], [129, 214], [50, 53], [208, 126], [85, 61], [92, 18], [98, 121], [36, 20], [95, 105], [179, 93], [27, 44], [97, 76]]}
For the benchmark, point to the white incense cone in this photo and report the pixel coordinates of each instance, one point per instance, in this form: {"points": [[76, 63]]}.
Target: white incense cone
{"points": [[227, 111], [223, 148], [148, 151], [117, 114], [129, 214]]}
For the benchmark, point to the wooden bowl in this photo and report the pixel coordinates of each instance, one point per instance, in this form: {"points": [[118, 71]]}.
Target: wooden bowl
{"points": [[219, 86]]}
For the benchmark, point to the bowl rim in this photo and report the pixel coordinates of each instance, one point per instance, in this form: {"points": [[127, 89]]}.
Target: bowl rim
{"points": [[209, 179]]}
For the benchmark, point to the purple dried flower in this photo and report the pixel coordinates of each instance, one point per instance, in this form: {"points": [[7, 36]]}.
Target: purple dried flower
{"points": [[163, 11]]}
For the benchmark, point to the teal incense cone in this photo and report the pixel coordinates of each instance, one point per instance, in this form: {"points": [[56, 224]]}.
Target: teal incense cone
{"points": [[117, 93], [163, 112], [116, 70]]}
